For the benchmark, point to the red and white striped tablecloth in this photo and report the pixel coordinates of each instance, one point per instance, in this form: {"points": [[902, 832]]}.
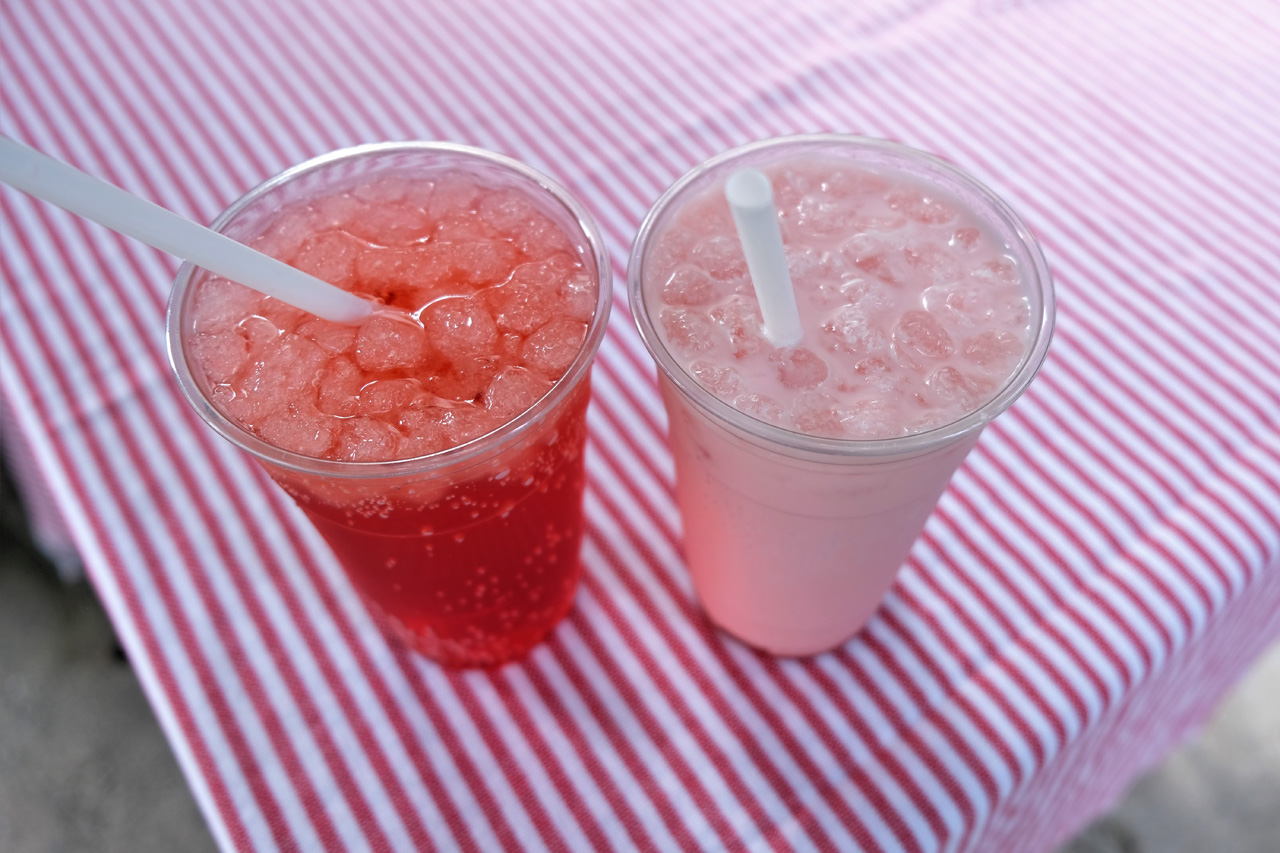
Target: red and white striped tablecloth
{"points": [[1103, 567]]}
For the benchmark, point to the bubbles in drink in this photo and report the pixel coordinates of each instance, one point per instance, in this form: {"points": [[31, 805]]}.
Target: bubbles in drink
{"points": [[914, 313]]}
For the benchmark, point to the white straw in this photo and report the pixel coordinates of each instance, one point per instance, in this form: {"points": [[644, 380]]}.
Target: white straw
{"points": [[43, 177], [751, 199]]}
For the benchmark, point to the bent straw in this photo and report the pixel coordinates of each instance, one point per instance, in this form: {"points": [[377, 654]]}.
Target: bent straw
{"points": [[750, 198], [82, 194]]}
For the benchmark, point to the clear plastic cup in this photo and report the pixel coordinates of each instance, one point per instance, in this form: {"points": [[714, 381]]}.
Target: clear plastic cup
{"points": [[792, 539], [470, 554]]}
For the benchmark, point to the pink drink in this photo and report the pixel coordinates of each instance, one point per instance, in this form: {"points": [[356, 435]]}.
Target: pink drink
{"points": [[805, 473], [438, 446]]}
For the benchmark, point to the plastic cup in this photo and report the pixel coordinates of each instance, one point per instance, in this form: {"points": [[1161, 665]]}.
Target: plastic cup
{"points": [[792, 540], [470, 555]]}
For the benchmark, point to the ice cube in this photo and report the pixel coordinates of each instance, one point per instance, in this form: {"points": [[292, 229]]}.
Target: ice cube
{"points": [[479, 263], [259, 333], [965, 238], [467, 227], [689, 286], [402, 277], [687, 332], [959, 304], [460, 326], [760, 406], [854, 184], [392, 189], [390, 342], [996, 350], [339, 387], [949, 386], [808, 264], [282, 315], [462, 380], [918, 333], [221, 305], [578, 292], [889, 266], [920, 206], [513, 391], [506, 210], [220, 354], [724, 382], [934, 264], [540, 238], [822, 214], [818, 414], [997, 271], [423, 432], [521, 305], [853, 329], [286, 374], [740, 321], [285, 236], [468, 423], [721, 258], [955, 391], [451, 197], [301, 430], [334, 338], [880, 373], [869, 419], [367, 440], [388, 395], [551, 349], [799, 368], [389, 223]]}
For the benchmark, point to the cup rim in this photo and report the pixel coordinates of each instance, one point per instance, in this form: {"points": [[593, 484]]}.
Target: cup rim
{"points": [[461, 455], [1037, 279]]}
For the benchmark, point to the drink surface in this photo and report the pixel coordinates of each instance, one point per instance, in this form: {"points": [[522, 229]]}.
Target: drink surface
{"points": [[494, 306], [913, 310], [471, 564]]}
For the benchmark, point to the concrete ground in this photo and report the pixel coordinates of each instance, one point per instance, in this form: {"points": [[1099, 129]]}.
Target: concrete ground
{"points": [[84, 767]]}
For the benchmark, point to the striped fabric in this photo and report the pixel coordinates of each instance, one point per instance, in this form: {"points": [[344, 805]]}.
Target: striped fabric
{"points": [[1102, 569]]}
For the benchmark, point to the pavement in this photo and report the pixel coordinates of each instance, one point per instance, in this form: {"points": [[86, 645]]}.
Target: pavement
{"points": [[85, 767]]}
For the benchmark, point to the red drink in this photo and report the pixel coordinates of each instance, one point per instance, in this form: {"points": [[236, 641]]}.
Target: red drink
{"points": [[438, 446]]}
